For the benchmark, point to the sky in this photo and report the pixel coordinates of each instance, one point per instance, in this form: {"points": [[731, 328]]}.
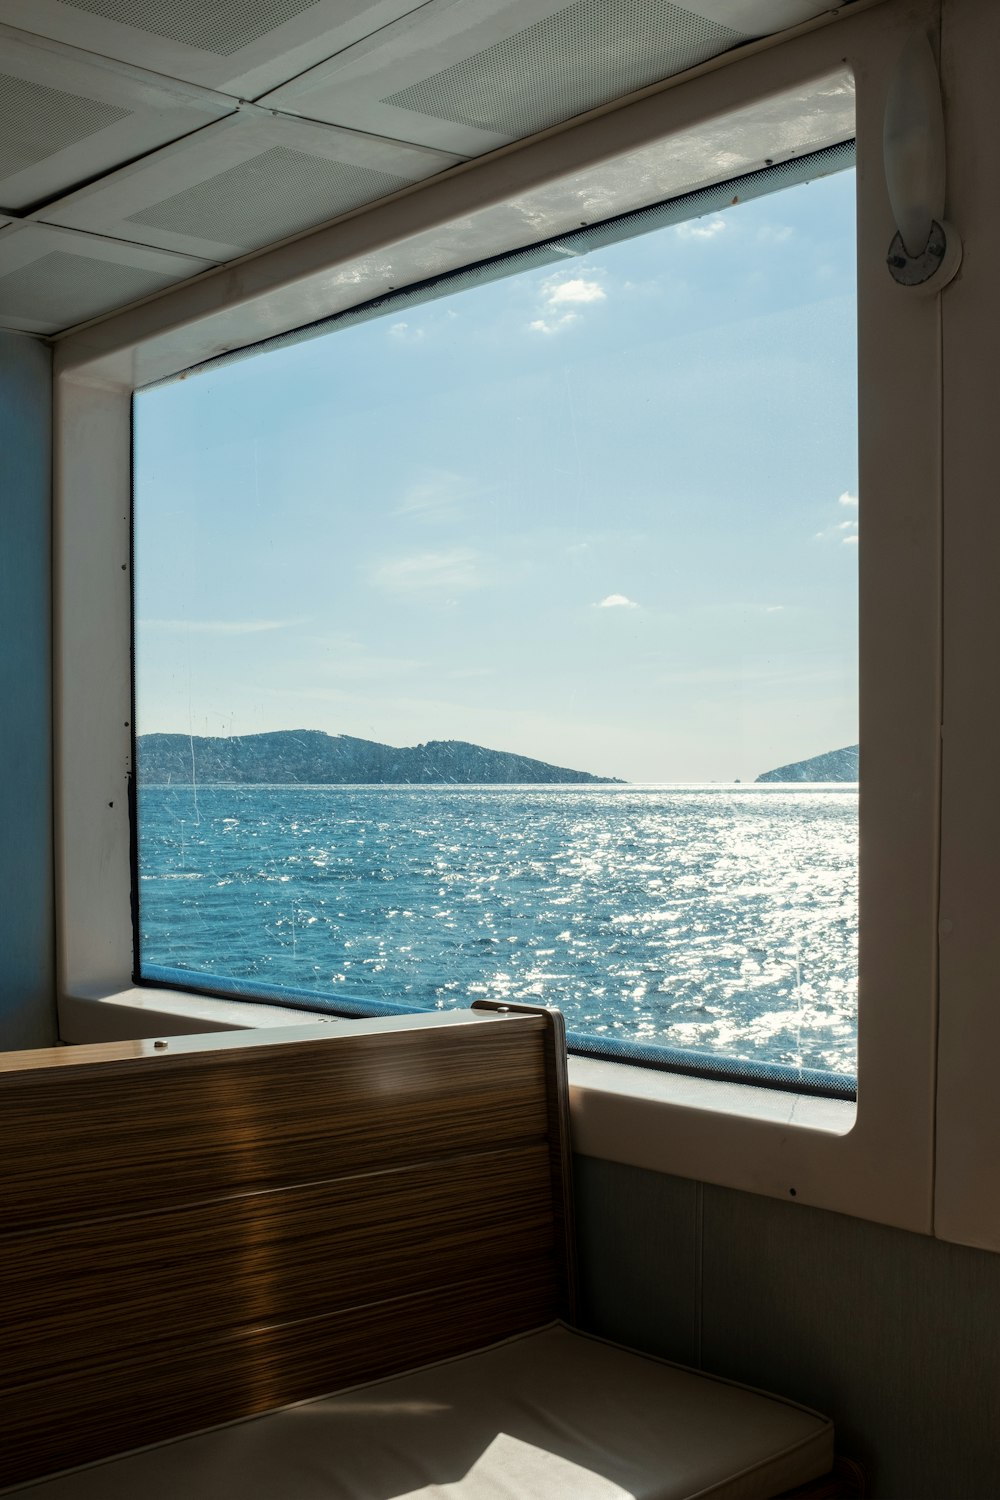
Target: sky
{"points": [[602, 513]]}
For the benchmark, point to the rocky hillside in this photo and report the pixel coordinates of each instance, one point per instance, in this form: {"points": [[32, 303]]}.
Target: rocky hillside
{"points": [[834, 765], [310, 756]]}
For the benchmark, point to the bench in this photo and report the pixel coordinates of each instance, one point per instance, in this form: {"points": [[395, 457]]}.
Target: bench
{"points": [[332, 1263]]}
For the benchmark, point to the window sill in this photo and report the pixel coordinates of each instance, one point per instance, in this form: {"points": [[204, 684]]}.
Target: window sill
{"points": [[651, 1119], [99, 1014]]}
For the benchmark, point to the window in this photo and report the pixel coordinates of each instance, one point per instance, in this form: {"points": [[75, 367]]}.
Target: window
{"points": [[873, 1159], [561, 551]]}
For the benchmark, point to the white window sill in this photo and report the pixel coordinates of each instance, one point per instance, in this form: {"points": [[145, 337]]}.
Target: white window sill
{"points": [[602, 1086], [99, 1014]]}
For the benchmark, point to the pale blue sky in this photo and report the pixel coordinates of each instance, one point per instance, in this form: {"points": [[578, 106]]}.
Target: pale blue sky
{"points": [[602, 513]]}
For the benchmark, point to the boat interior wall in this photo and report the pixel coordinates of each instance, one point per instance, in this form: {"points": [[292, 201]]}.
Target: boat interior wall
{"points": [[968, 1116], [689, 1242], [27, 928]]}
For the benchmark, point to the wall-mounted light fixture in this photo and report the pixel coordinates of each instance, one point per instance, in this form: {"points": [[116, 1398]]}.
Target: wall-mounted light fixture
{"points": [[926, 252]]}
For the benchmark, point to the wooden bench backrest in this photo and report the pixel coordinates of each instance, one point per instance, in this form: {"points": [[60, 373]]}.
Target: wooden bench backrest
{"points": [[209, 1229]]}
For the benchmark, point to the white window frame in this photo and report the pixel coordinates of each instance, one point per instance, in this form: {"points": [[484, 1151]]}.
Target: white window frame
{"points": [[874, 1160]]}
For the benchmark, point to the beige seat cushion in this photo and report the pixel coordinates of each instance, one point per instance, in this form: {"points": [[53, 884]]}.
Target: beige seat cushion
{"points": [[551, 1415]]}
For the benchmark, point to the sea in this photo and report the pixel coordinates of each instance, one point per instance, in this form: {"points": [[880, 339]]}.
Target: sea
{"points": [[719, 918]]}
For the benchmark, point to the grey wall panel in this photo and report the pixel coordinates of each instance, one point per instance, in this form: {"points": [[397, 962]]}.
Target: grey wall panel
{"points": [[27, 1003], [638, 1233], [896, 1335]]}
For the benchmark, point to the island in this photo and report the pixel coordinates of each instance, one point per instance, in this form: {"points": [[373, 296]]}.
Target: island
{"points": [[833, 765], [314, 758]]}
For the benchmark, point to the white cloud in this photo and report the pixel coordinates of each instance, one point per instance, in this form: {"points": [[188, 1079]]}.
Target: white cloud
{"points": [[616, 601], [219, 627], [430, 573], [773, 609], [774, 234], [700, 231], [559, 295], [553, 325], [343, 657], [439, 496], [576, 290], [403, 333], [844, 531]]}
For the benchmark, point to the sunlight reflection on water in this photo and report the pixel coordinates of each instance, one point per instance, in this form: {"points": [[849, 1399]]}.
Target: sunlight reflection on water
{"points": [[722, 918]]}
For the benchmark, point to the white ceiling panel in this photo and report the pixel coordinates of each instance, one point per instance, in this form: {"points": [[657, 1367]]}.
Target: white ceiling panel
{"points": [[51, 279], [241, 46], [66, 117], [249, 180], [471, 75]]}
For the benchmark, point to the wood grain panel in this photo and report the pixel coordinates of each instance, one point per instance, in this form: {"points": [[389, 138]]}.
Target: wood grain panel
{"points": [[98, 1139], [73, 1300], [559, 1139], [202, 1234], [64, 1421]]}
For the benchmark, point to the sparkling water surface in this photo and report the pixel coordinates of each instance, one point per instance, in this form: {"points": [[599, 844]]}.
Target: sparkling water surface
{"points": [[721, 918]]}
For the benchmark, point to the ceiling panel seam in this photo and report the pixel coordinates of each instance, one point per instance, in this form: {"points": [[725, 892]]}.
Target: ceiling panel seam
{"points": [[196, 93]]}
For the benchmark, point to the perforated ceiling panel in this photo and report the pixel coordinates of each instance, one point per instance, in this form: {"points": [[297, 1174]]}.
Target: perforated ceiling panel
{"points": [[244, 47], [246, 181], [218, 26], [470, 75], [68, 117], [60, 289], [52, 278], [109, 136], [267, 196], [36, 121], [584, 54]]}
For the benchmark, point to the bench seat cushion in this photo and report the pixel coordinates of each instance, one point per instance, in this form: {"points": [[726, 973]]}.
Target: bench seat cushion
{"points": [[550, 1415]]}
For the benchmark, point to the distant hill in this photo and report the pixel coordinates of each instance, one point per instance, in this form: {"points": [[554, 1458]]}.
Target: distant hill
{"points": [[310, 756], [835, 765]]}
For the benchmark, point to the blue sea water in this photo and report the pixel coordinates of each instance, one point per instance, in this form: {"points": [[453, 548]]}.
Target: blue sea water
{"points": [[720, 918]]}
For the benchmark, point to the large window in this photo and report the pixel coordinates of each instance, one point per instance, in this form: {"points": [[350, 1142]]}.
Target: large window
{"points": [[874, 1157], [502, 640]]}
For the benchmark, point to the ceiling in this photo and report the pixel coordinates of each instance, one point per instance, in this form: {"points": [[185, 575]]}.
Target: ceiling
{"points": [[145, 141]]}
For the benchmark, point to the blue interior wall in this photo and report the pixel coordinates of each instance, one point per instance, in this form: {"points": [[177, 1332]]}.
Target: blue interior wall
{"points": [[27, 959], [895, 1335]]}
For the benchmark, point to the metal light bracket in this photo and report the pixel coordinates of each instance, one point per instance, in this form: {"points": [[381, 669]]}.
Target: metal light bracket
{"points": [[936, 264], [926, 251]]}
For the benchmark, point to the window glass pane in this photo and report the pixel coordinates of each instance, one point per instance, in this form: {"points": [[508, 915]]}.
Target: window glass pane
{"points": [[596, 519]]}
